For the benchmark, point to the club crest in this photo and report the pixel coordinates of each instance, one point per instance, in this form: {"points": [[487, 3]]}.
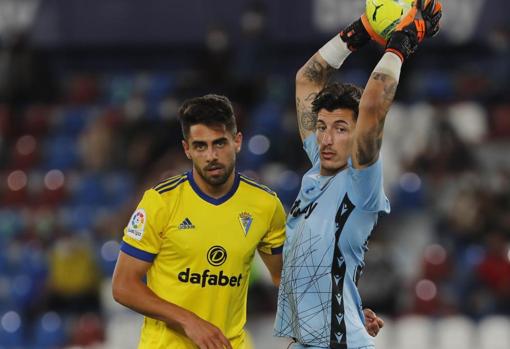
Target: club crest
{"points": [[246, 219]]}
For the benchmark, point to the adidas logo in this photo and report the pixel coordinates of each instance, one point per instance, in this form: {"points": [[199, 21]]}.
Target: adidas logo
{"points": [[186, 224]]}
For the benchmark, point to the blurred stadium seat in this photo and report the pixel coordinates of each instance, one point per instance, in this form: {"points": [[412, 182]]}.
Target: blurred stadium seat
{"points": [[386, 338], [456, 332], [494, 333], [12, 330], [49, 331], [414, 332]]}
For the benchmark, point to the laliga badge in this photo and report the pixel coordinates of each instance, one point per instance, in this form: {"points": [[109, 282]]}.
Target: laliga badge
{"points": [[246, 219], [136, 224]]}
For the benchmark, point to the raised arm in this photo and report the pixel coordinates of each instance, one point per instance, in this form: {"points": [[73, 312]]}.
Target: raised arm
{"points": [[382, 85], [312, 77], [374, 105]]}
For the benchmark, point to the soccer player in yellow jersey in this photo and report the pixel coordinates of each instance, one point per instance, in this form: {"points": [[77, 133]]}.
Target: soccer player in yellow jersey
{"points": [[194, 236]]}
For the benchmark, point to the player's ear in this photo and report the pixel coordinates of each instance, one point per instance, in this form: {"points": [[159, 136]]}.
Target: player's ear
{"points": [[185, 146], [238, 140]]}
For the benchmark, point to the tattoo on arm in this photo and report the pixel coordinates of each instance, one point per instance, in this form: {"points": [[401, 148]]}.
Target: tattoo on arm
{"points": [[315, 72], [370, 143], [390, 88], [307, 119]]}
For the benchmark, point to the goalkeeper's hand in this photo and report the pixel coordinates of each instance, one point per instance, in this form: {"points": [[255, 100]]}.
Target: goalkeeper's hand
{"points": [[355, 35], [405, 38], [431, 12], [410, 31]]}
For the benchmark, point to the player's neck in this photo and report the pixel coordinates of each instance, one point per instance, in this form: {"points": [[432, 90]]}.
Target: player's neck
{"points": [[214, 191], [331, 172]]}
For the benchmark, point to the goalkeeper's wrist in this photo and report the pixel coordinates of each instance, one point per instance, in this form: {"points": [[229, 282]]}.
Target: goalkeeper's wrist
{"points": [[395, 52], [396, 45], [334, 52], [390, 64]]}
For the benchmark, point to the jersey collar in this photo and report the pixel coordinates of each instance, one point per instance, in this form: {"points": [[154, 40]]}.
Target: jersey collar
{"points": [[210, 199]]}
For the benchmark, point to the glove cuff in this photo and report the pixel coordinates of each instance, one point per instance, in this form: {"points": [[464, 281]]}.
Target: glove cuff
{"points": [[403, 43], [397, 52]]}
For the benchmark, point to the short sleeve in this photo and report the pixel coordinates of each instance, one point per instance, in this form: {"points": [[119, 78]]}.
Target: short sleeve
{"points": [[142, 236], [272, 242], [367, 188], [312, 148]]}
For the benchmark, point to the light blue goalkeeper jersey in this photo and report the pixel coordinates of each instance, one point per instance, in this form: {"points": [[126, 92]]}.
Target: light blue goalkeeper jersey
{"points": [[328, 228]]}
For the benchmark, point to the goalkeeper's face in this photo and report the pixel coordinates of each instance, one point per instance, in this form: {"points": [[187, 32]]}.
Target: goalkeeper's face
{"points": [[335, 130], [213, 150]]}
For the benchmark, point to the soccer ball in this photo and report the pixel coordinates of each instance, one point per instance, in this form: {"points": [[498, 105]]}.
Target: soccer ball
{"points": [[382, 16]]}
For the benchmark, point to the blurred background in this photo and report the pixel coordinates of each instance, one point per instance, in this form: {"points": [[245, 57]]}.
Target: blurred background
{"points": [[89, 92]]}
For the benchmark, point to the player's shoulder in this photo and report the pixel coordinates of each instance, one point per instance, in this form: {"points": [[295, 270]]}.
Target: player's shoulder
{"points": [[169, 185], [256, 186]]}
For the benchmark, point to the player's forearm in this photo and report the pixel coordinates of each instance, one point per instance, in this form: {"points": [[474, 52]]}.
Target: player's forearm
{"points": [[377, 97], [138, 297], [310, 79], [374, 105], [314, 74], [381, 88]]}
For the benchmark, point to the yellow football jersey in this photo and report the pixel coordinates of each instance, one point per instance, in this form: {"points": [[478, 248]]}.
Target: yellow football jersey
{"points": [[201, 250]]}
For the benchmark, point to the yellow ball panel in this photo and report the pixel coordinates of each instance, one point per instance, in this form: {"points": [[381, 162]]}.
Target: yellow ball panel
{"points": [[384, 15]]}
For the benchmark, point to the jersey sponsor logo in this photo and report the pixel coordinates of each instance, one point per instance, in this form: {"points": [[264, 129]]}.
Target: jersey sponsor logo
{"points": [[186, 224], [216, 256], [295, 211], [136, 224], [245, 219], [207, 278]]}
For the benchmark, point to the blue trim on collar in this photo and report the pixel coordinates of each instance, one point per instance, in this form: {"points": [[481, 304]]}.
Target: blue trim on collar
{"points": [[210, 199], [136, 252]]}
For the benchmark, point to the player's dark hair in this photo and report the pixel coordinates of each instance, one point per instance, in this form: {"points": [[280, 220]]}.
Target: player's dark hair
{"points": [[338, 96], [209, 110]]}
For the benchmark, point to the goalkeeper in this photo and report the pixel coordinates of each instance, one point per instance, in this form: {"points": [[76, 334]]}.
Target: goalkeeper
{"points": [[342, 195]]}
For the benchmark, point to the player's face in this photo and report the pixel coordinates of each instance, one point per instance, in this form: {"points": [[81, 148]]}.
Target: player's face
{"points": [[213, 152], [335, 132]]}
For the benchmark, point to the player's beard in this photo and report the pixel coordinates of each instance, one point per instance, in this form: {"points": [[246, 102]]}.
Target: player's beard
{"points": [[216, 180]]}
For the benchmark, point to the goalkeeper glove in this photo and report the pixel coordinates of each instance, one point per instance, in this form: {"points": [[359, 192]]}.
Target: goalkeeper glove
{"points": [[404, 40], [355, 35], [431, 12]]}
